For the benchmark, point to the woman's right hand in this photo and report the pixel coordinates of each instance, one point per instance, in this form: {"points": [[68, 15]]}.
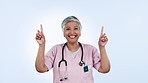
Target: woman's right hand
{"points": [[40, 38]]}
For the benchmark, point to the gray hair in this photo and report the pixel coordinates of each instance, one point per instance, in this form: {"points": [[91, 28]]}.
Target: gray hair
{"points": [[68, 19]]}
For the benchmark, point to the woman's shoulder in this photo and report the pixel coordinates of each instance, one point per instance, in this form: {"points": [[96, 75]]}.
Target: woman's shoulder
{"points": [[58, 45], [89, 48], [88, 45]]}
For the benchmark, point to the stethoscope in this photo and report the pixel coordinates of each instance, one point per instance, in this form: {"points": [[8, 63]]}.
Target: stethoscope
{"points": [[81, 63]]}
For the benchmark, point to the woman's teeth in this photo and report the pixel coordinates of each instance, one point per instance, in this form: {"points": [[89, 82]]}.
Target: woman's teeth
{"points": [[72, 36]]}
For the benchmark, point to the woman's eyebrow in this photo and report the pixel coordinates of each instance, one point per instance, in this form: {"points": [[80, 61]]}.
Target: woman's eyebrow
{"points": [[67, 27], [76, 26]]}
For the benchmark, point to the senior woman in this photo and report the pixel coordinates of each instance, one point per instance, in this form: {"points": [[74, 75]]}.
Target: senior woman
{"points": [[72, 62]]}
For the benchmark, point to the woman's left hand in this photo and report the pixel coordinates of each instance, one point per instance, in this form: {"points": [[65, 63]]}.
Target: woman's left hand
{"points": [[103, 38]]}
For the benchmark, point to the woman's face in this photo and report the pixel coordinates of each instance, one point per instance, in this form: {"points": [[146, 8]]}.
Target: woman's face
{"points": [[72, 32]]}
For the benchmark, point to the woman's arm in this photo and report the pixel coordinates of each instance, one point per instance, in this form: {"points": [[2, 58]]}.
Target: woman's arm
{"points": [[39, 64], [104, 64]]}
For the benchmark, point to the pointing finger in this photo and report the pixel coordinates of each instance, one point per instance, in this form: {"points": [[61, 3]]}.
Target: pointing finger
{"points": [[102, 30], [41, 28]]}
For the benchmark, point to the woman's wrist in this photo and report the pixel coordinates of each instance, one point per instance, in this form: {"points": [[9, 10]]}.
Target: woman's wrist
{"points": [[100, 46], [42, 45]]}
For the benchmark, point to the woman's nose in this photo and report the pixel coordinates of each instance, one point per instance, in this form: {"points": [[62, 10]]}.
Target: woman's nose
{"points": [[72, 32]]}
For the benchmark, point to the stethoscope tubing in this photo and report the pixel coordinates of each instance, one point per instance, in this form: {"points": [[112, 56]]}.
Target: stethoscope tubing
{"points": [[81, 63]]}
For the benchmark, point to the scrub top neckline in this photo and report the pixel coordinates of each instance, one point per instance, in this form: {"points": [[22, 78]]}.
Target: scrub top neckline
{"points": [[76, 53]]}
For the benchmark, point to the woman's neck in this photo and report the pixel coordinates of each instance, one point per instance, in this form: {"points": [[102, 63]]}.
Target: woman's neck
{"points": [[73, 46]]}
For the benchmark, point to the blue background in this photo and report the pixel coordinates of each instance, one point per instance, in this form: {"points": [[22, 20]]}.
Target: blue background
{"points": [[125, 23]]}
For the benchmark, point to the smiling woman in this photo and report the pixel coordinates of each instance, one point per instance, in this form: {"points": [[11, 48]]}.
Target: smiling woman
{"points": [[72, 32], [82, 62], [71, 27], [125, 24]]}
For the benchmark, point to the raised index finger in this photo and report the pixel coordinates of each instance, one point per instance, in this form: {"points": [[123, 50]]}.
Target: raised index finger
{"points": [[102, 30], [41, 28]]}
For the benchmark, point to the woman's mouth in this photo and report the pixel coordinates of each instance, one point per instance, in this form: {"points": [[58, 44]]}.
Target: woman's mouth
{"points": [[72, 36]]}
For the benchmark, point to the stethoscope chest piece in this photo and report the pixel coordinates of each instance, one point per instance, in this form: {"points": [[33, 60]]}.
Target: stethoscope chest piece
{"points": [[81, 63]]}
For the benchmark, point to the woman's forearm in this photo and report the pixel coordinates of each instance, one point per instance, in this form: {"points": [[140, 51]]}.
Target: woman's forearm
{"points": [[39, 64], [104, 64]]}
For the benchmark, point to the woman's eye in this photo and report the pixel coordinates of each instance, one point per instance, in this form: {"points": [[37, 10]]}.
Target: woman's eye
{"points": [[67, 29], [76, 28]]}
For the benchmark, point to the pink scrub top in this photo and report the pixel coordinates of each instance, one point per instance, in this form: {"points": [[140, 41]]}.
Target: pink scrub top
{"points": [[75, 73]]}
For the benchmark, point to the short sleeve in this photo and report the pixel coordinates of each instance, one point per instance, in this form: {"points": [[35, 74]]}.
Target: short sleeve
{"points": [[96, 59], [49, 57]]}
